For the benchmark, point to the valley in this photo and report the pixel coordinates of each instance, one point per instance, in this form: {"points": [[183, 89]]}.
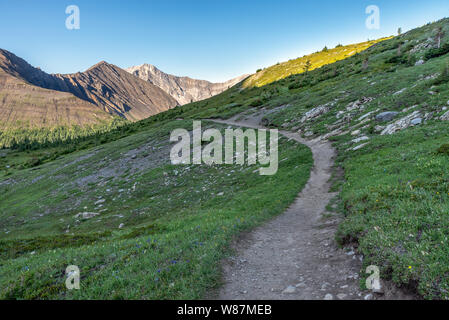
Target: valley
{"points": [[363, 162]]}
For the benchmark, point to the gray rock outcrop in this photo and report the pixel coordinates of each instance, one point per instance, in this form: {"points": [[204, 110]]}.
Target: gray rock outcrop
{"points": [[183, 89]]}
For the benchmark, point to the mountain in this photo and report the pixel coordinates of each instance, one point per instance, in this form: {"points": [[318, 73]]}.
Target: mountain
{"points": [[24, 105], [314, 61], [104, 85], [184, 89], [116, 91]]}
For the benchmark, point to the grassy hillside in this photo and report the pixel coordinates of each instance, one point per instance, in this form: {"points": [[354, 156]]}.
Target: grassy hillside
{"points": [[158, 231], [177, 221], [306, 63]]}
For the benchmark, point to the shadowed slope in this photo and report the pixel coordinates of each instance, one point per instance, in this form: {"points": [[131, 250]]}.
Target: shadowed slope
{"points": [[110, 88], [27, 106]]}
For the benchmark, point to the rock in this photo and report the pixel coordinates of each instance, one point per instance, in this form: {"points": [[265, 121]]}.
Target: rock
{"points": [[445, 117], [328, 297], [325, 285], [360, 146], [416, 121], [289, 290], [364, 138], [100, 201], [347, 118], [355, 133], [316, 112], [410, 108], [341, 296], [428, 115], [369, 297], [367, 115], [340, 114], [308, 134], [422, 46], [121, 225], [359, 104], [379, 128], [386, 116], [419, 62], [86, 215], [399, 92], [379, 290], [401, 124]]}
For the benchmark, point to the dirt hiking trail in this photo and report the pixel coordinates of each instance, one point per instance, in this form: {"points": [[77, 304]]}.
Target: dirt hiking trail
{"points": [[294, 256]]}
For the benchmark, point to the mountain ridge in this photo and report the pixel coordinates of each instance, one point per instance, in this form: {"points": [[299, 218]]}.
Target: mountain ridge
{"points": [[105, 85], [182, 88], [26, 105]]}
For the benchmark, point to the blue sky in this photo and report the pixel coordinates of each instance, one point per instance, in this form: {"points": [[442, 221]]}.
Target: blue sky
{"points": [[213, 40]]}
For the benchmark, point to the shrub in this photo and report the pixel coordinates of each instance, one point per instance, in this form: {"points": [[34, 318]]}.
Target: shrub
{"points": [[435, 53], [255, 102], [34, 162], [443, 78], [444, 149]]}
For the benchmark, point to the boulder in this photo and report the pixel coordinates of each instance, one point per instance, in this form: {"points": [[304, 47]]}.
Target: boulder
{"points": [[419, 62], [403, 123], [445, 117], [416, 121], [386, 116]]}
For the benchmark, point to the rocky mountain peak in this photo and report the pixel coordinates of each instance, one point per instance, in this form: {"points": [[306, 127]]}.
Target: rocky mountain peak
{"points": [[183, 89]]}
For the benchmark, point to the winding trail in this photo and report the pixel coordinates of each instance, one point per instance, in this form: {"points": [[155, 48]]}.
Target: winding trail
{"points": [[294, 256]]}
